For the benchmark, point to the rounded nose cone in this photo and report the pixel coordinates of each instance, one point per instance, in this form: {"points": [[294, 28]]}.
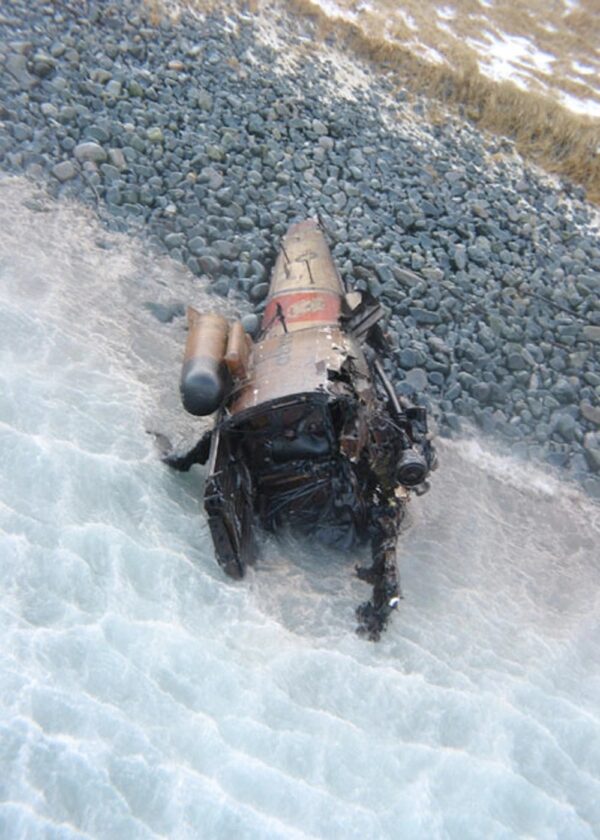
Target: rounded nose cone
{"points": [[204, 386], [303, 227]]}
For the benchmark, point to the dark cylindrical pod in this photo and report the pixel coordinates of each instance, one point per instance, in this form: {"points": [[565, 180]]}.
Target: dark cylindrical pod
{"points": [[205, 380]]}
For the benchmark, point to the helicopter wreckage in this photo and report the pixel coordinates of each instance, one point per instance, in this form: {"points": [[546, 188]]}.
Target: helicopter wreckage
{"points": [[308, 429]]}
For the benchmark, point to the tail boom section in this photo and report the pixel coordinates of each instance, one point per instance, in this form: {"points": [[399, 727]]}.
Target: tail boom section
{"points": [[306, 289]]}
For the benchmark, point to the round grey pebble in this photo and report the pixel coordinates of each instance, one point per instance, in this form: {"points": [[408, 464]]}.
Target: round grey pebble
{"points": [[417, 379], [64, 171], [250, 323], [90, 151], [197, 245], [590, 412], [259, 292]]}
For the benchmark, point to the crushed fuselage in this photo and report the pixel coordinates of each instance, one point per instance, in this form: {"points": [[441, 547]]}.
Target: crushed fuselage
{"points": [[308, 431]]}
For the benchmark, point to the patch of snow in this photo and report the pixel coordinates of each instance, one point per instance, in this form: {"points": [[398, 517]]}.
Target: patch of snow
{"points": [[446, 12], [444, 27], [505, 57], [584, 69], [428, 53], [407, 19], [331, 9], [509, 57], [503, 53], [589, 107]]}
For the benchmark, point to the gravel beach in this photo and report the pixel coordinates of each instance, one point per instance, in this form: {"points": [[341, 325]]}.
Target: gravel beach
{"points": [[210, 135]]}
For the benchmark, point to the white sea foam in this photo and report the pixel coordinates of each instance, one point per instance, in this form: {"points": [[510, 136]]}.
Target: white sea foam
{"points": [[144, 695]]}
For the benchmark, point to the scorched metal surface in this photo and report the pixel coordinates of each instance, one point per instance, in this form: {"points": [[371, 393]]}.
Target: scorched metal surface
{"points": [[308, 430]]}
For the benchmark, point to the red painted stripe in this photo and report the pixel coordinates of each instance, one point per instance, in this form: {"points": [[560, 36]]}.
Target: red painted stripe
{"points": [[318, 307]]}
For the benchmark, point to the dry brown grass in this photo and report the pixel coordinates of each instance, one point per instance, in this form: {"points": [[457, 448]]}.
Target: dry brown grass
{"points": [[544, 131]]}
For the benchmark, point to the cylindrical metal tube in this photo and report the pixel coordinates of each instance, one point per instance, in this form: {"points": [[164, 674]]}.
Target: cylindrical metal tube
{"points": [[238, 351], [412, 468], [205, 379]]}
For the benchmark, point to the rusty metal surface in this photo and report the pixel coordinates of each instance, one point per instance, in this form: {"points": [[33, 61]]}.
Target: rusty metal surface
{"points": [[296, 363], [207, 335], [302, 340], [306, 290], [305, 262], [314, 436]]}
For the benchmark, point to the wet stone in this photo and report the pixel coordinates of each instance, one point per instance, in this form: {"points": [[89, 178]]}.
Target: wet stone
{"points": [[251, 323], [43, 65], [436, 378], [592, 333], [225, 249], [165, 313], [134, 88], [591, 447], [49, 109], [481, 391], [452, 421], [486, 421], [209, 264], [100, 76], [536, 407], [155, 134], [215, 153], [204, 100], [221, 287], [409, 358], [110, 173], [590, 412], [16, 65], [478, 255], [117, 158], [417, 379], [516, 361], [564, 391], [423, 316], [259, 292], [245, 223], [113, 88], [591, 485], [90, 151], [175, 240], [453, 392], [64, 171], [565, 425], [197, 245]]}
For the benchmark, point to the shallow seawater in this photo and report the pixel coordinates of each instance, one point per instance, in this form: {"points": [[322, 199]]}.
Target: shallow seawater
{"points": [[144, 695]]}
